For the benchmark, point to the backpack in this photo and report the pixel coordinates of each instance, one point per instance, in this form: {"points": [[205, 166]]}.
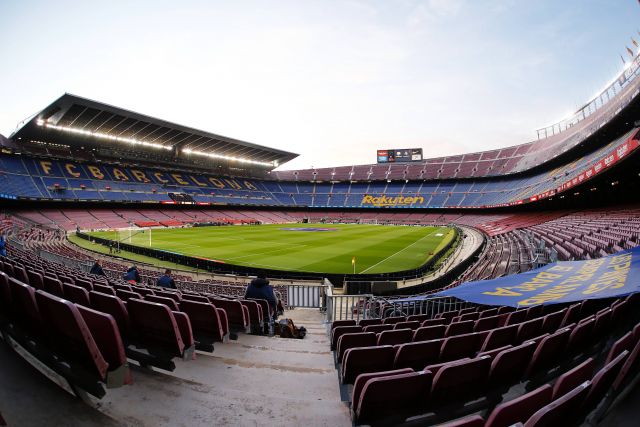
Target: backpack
{"points": [[285, 328]]}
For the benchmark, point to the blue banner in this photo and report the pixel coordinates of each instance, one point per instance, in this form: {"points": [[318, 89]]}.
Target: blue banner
{"points": [[560, 282]]}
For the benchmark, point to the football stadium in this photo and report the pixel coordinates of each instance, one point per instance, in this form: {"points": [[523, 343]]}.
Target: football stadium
{"points": [[156, 274]]}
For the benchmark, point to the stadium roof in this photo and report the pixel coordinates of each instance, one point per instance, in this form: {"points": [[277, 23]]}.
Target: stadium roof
{"points": [[74, 115]]}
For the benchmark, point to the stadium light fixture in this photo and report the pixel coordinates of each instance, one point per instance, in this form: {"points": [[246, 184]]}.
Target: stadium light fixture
{"points": [[235, 159], [101, 135]]}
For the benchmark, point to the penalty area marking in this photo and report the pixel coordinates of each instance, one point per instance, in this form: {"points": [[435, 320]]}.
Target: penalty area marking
{"points": [[396, 253]]}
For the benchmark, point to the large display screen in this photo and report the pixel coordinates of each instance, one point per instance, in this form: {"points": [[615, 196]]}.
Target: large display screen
{"points": [[400, 156]]}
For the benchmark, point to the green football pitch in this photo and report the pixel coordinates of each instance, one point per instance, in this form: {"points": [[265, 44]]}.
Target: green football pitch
{"points": [[317, 248]]}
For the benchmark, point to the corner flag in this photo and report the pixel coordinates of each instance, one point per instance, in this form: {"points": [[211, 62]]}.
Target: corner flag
{"points": [[353, 263]]}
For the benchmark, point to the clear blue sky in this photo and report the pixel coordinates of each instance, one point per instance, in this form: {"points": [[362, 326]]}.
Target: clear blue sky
{"points": [[331, 80]]}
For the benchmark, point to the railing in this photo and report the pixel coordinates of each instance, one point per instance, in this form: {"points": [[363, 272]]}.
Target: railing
{"points": [[357, 307], [430, 305], [84, 266], [306, 296], [615, 91], [342, 307], [16, 244]]}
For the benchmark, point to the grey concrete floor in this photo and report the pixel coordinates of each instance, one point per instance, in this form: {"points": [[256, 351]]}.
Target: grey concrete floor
{"points": [[254, 381]]}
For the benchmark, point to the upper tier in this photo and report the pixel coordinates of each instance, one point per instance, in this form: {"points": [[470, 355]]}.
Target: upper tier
{"points": [[552, 142], [46, 179]]}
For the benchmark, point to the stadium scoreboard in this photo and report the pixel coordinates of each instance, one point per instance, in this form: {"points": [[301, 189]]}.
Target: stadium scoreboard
{"points": [[400, 156]]}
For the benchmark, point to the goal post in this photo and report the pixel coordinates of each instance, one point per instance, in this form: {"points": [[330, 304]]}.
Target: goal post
{"points": [[368, 221], [131, 235]]}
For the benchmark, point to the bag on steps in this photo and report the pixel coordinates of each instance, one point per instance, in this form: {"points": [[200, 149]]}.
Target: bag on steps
{"points": [[285, 328]]}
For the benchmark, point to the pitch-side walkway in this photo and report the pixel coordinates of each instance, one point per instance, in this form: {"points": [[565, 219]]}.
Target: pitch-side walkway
{"points": [[469, 245]]}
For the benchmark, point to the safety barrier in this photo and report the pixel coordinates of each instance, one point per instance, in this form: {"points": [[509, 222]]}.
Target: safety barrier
{"points": [[367, 306], [84, 266], [306, 296], [341, 307]]}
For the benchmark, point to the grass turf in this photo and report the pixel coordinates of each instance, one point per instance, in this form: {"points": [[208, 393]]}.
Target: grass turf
{"points": [[378, 249], [137, 258]]}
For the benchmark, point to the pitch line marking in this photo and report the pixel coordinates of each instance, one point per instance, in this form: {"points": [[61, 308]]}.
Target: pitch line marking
{"points": [[396, 253], [266, 252]]}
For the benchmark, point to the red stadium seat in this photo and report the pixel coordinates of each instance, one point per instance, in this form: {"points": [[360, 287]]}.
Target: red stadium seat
{"points": [[548, 351], [338, 331], [53, 286], [25, 306], [396, 336], [417, 355], [391, 396], [237, 315], [361, 360], [169, 302], [107, 337], [460, 380], [347, 341], [500, 337], [156, 328], [519, 409], [376, 329], [427, 333], [413, 325], [362, 379], [68, 333], [573, 378], [459, 328], [206, 322], [104, 289], [114, 306], [76, 294], [510, 365], [124, 295], [561, 411], [369, 322]]}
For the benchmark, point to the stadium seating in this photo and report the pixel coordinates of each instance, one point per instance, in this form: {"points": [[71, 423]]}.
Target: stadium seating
{"points": [[237, 313], [206, 323], [557, 382], [551, 365], [53, 181]]}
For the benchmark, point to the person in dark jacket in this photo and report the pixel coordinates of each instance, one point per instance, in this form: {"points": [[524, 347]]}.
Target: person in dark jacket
{"points": [[97, 269], [166, 281], [3, 246], [259, 288], [132, 275]]}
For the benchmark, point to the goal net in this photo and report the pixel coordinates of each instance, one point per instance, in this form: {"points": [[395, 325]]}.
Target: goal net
{"points": [[133, 235], [367, 221]]}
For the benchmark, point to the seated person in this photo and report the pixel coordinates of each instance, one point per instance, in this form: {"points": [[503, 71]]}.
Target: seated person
{"points": [[97, 269], [132, 275], [166, 281], [259, 288]]}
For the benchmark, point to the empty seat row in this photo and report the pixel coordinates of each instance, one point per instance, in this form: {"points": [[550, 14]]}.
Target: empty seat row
{"points": [[589, 329], [362, 351], [470, 378], [574, 394], [80, 344], [397, 394]]}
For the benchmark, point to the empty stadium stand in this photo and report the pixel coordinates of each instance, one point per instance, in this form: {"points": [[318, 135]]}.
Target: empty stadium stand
{"points": [[569, 195]]}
